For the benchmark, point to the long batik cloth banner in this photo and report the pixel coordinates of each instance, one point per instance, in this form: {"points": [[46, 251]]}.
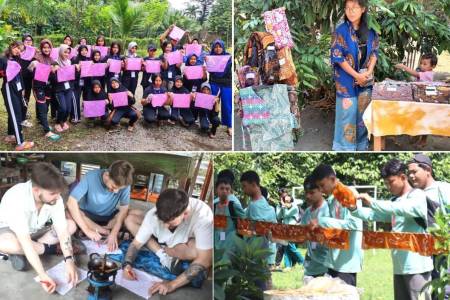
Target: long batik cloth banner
{"points": [[424, 244]]}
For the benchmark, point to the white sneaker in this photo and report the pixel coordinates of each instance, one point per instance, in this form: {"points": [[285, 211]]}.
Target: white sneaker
{"points": [[27, 124]]}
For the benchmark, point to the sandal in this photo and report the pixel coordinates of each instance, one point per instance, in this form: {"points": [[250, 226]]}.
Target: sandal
{"points": [[53, 136], [130, 128], [230, 132], [25, 146], [65, 126], [58, 128]]}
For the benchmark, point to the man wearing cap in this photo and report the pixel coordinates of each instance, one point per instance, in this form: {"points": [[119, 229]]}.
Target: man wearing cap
{"points": [[420, 172], [147, 77]]}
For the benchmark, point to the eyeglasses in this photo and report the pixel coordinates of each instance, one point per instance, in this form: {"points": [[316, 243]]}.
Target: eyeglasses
{"points": [[353, 9]]}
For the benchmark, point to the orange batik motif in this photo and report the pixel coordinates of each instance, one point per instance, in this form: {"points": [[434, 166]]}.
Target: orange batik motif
{"points": [[220, 222], [344, 195]]}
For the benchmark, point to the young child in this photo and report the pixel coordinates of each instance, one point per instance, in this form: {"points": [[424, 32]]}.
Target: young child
{"points": [[184, 115], [12, 94], [96, 59], [118, 113], [147, 77], [115, 51], [80, 83], [208, 117], [130, 78], [64, 91], [152, 114], [43, 90], [424, 73], [27, 78], [96, 93], [168, 71], [222, 81]]}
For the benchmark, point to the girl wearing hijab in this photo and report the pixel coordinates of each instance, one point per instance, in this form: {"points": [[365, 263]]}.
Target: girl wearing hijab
{"points": [[43, 90], [12, 92], [152, 114], [221, 81], [207, 116], [118, 113], [184, 115], [27, 78], [193, 85], [96, 59], [97, 93], [168, 71], [80, 83], [64, 91], [130, 78], [114, 54]]}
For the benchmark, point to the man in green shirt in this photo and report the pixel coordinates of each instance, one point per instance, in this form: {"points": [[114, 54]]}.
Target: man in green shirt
{"points": [[344, 264], [411, 270]]}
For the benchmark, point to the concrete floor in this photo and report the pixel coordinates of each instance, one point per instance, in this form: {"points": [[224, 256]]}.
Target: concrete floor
{"points": [[21, 285]]}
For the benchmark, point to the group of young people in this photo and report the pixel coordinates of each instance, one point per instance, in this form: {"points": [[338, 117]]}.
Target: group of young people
{"points": [[411, 185], [66, 95], [35, 220]]}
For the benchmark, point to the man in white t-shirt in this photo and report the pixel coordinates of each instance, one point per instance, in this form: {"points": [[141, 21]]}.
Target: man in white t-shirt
{"points": [[178, 228], [26, 210]]}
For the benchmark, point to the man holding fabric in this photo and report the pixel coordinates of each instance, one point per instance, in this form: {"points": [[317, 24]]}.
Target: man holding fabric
{"points": [[93, 202], [411, 270]]}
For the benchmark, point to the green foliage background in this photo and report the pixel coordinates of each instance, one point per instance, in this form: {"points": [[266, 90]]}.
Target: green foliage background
{"points": [[403, 25], [290, 169]]}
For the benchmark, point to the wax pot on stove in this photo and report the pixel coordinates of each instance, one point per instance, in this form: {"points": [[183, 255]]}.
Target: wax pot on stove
{"points": [[101, 276]]}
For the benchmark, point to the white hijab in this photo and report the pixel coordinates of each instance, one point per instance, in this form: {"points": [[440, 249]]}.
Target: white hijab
{"points": [[61, 61]]}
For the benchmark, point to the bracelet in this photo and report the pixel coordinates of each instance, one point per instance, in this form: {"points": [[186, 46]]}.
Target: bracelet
{"points": [[68, 257]]}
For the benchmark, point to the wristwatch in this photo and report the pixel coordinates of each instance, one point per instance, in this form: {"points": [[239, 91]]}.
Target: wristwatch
{"points": [[68, 257]]}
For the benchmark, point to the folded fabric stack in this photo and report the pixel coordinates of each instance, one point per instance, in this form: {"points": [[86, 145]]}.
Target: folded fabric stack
{"points": [[431, 92], [392, 90]]}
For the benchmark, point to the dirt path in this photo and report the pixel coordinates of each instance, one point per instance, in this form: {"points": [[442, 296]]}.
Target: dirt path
{"points": [[144, 138]]}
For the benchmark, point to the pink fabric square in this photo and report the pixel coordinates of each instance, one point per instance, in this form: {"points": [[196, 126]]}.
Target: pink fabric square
{"points": [[153, 66], [12, 69], [426, 76], [42, 72], [175, 57], [181, 100], [193, 49], [94, 108], [85, 68], [72, 53], [204, 101], [66, 73], [176, 33], [276, 23], [159, 100], [134, 64], [217, 63], [103, 50], [193, 72], [98, 69], [55, 53], [115, 66], [119, 99], [28, 54]]}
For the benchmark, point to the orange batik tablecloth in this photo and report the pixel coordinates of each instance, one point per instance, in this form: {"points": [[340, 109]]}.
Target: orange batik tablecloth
{"points": [[386, 117]]}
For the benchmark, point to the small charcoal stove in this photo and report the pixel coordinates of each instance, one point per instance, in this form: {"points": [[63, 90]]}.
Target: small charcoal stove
{"points": [[101, 276]]}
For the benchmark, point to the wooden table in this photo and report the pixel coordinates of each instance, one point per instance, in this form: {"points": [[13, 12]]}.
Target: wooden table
{"points": [[390, 117]]}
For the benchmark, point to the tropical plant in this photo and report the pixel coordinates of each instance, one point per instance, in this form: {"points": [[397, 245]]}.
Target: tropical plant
{"points": [[127, 16]]}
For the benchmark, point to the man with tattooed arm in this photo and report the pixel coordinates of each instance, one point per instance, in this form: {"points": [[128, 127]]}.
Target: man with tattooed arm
{"points": [[33, 221], [177, 229]]}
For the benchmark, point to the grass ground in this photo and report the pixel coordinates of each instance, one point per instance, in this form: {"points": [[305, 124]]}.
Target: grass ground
{"points": [[375, 280]]}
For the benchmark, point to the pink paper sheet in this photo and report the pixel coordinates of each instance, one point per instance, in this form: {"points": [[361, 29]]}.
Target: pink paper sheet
{"points": [[158, 99], [119, 99], [153, 66], [204, 101], [134, 64], [177, 33], [115, 66], [55, 53], [217, 63], [181, 100], [94, 108], [28, 54], [12, 69], [103, 50], [85, 68], [98, 70], [42, 72], [174, 57], [66, 73], [193, 49], [193, 72]]}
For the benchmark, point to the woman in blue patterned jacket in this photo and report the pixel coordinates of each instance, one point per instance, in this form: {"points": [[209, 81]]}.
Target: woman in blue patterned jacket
{"points": [[354, 54]]}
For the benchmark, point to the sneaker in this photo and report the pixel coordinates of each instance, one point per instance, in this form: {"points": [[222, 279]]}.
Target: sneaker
{"points": [[25, 146], [27, 124], [18, 262]]}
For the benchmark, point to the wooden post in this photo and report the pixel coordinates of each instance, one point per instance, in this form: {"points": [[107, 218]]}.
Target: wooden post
{"points": [[194, 179], [377, 143]]}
